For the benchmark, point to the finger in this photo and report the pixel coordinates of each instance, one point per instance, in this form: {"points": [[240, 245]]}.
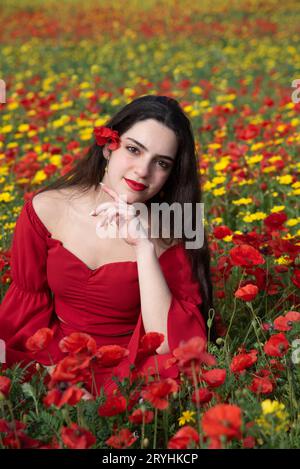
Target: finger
{"points": [[112, 193], [100, 208]]}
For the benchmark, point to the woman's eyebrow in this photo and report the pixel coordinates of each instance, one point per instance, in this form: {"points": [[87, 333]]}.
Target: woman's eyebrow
{"points": [[144, 148]]}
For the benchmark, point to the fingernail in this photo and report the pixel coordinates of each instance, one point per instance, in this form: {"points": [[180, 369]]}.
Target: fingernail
{"points": [[101, 183], [92, 212]]}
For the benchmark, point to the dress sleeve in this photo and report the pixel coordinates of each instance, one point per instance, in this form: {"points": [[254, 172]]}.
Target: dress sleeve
{"points": [[28, 303], [185, 320]]}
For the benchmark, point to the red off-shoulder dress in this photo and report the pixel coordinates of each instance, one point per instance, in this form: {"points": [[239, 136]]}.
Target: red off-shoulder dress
{"points": [[49, 282]]}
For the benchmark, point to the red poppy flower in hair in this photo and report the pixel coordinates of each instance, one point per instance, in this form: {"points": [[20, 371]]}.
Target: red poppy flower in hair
{"points": [[105, 134]]}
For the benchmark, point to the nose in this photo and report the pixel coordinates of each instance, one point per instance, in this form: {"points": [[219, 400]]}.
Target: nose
{"points": [[142, 169]]}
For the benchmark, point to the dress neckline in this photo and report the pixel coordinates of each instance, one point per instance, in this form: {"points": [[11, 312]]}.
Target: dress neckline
{"points": [[80, 261]]}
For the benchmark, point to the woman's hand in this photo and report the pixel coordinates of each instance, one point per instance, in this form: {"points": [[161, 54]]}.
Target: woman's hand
{"points": [[126, 223]]}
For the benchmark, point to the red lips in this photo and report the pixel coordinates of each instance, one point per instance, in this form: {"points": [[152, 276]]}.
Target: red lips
{"points": [[135, 185]]}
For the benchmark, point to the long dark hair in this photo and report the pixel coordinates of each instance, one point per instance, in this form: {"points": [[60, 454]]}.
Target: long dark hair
{"points": [[182, 186]]}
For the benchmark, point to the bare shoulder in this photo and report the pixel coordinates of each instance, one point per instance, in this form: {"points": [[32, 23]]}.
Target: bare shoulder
{"points": [[48, 206]]}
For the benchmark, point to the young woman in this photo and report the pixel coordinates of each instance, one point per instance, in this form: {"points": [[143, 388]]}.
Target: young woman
{"points": [[70, 275]]}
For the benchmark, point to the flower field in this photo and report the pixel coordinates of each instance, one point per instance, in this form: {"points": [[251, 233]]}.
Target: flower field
{"points": [[231, 66]]}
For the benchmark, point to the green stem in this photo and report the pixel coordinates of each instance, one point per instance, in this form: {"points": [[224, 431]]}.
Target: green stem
{"points": [[155, 428], [197, 403]]}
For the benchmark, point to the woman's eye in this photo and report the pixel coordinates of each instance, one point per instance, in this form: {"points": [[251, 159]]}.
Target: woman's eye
{"points": [[131, 147], [165, 165]]}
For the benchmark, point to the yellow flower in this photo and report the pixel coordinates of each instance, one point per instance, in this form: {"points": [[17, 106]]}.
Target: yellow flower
{"points": [[250, 217], [274, 417], [277, 208], [207, 186], [217, 220], [293, 221], [196, 90], [222, 164], [187, 416], [23, 128], [283, 260], [242, 201], [6, 129], [286, 179], [220, 191], [251, 160], [257, 146], [6, 197], [218, 180], [214, 146], [39, 177]]}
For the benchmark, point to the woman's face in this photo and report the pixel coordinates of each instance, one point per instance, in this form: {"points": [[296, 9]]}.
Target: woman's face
{"points": [[146, 155]]}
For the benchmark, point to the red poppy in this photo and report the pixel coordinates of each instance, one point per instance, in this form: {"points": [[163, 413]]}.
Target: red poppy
{"points": [[261, 385], [296, 278], [150, 342], [140, 415], [248, 442], [105, 134], [285, 323], [5, 385], [78, 342], [123, 439], [247, 293], [277, 345], [184, 438], [193, 350], [40, 340], [114, 405], [214, 378], [111, 355], [75, 437], [274, 221], [157, 392], [203, 395], [245, 255], [243, 360], [72, 369], [58, 398], [221, 231], [222, 420]]}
